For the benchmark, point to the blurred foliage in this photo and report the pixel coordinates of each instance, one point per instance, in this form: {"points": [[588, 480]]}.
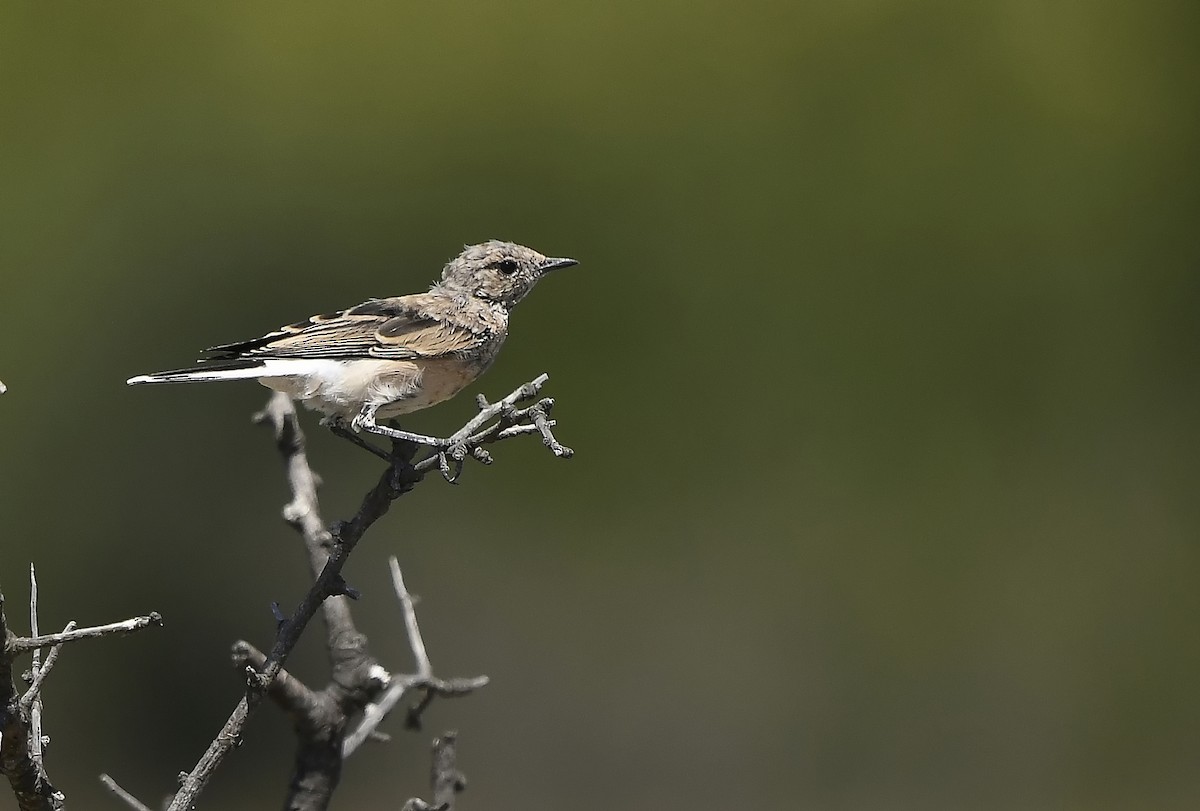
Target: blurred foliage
{"points": [[880, 365]]}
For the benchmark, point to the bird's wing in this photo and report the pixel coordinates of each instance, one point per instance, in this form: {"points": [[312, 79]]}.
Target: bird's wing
{"points": [[404, 328]]}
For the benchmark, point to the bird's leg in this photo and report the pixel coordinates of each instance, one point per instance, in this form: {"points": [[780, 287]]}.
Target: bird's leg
{"points": [[366, 422], [448, 452]]}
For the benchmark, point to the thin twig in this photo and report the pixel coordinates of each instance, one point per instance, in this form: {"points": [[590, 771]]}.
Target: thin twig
{"points": [[466, 440], [374, 713], [32, 695], [543, 423], [519, 395], [129, 799], [407, 607], [128, 626], [34, 705]]}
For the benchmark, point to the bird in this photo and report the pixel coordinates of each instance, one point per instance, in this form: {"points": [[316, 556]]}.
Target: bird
{"points": [[388, 357]]}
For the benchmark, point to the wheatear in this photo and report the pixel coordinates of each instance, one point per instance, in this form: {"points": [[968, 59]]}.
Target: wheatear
{"points": [[388, 356]]}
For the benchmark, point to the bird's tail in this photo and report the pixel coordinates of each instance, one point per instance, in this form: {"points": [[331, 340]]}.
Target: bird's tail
{"points": [[229, 370]]}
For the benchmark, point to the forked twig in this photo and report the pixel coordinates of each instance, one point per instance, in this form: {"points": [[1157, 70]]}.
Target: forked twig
{"points": [[400, 685]]}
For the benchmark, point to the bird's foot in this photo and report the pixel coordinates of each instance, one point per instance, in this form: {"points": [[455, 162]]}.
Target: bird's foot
{"points": [[494, 422], [449, 453]]}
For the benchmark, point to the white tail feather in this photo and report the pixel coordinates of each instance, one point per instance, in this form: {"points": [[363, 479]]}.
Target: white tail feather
{"points": [[273, 367], [197, 376]]}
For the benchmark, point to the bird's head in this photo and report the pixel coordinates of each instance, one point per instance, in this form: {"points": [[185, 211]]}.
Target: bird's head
{"points": [[501, 272]]}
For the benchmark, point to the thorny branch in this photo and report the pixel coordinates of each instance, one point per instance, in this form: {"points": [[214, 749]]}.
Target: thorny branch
{"points": [[21, 741], [321, 716]]}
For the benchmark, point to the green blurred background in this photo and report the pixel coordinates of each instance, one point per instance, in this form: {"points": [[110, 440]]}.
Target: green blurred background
{"points": [[880, 366]]}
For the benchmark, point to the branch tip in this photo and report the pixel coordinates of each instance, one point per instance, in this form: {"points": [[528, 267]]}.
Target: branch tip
{"points": [[122, 794]]}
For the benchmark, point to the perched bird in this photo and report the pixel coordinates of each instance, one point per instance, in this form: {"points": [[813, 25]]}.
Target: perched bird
{"points": [[388, 356]]}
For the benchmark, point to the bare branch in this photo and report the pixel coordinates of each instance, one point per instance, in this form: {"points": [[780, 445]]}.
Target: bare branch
{"points": [[40, 673], [400, 686], [229, 736], [129, 626], [33, 705], [27, 775], [345, 644], [328, 552], [541, 420], [357, 678], [424, 669], [291, 694], [125, 796], [289, 634]]}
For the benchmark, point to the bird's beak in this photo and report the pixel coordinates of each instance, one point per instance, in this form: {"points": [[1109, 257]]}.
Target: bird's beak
{"points": [[557, 264]]}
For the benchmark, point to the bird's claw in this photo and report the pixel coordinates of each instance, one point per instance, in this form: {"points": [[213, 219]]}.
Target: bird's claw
{"points": [[450, 466], [452, 455]]}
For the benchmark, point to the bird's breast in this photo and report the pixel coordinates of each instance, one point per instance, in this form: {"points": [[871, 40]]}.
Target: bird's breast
{"points": [[437, 381]]}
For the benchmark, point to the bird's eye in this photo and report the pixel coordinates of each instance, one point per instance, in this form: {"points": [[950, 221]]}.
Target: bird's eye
{"points": [[507, 266]]}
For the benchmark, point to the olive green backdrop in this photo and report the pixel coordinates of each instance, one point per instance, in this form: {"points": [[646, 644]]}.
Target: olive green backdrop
{"points": [[880, 364]]}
